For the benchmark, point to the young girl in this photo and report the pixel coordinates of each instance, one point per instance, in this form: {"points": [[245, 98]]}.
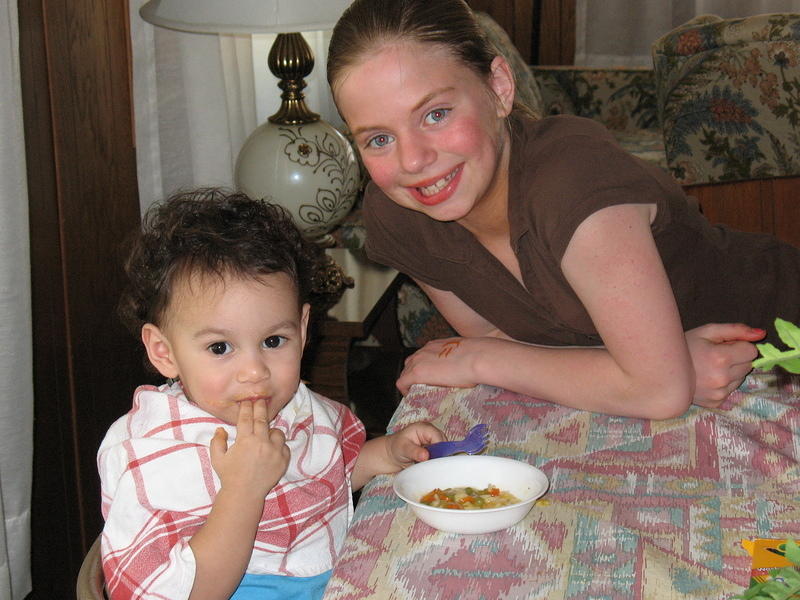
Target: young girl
{"points": [[574, 272], [234, 479]]}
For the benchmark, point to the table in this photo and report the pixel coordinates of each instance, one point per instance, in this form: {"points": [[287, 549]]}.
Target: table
{"points": [[352, 318], [636, 508]]}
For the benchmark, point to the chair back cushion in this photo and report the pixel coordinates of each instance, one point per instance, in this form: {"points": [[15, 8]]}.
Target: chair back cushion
{"points": [[621, 98], [728, 94]]}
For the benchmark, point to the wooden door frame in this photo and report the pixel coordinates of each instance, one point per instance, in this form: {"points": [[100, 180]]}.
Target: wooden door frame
{"points": [[83, 200]]}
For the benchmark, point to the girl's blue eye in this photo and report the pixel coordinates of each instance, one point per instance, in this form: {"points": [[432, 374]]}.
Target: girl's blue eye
{"points": [[220, 348], [379, 141], [436, 115], [274, 341]]}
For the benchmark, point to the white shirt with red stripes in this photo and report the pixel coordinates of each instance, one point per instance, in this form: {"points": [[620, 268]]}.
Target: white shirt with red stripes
{"points": [[158, 487]]}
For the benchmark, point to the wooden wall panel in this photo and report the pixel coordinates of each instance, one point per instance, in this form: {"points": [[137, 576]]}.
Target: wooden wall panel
{"points": [[83, 201], [542, 30], [556, 28], [516, 17], [786, 194], [759, 205], [736, 204]]}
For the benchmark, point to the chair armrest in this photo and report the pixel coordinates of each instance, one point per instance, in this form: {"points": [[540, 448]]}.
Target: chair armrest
{"points": [[728, 98]]}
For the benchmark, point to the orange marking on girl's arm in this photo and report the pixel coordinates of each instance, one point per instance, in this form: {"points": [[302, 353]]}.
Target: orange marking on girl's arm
{"points": [[448, 348]]}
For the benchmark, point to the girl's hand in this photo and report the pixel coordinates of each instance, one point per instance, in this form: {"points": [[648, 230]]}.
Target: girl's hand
{"points": [[257, 459], [448, 362], [722, 354], [407, 446]]}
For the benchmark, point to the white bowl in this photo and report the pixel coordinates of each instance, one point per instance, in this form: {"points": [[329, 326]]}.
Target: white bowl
{"points": [[526, 482]]}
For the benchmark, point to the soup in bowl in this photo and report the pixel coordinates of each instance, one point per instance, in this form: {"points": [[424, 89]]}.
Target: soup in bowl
{"points": [[512, 478]]}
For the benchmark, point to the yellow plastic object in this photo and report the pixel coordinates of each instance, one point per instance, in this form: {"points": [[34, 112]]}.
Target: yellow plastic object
{"points": [[767, 555]]}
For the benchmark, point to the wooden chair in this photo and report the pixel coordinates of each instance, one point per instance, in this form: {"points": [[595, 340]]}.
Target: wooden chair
{"points": [[90, 583]]}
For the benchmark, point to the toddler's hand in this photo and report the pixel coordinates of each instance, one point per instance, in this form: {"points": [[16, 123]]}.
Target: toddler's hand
{"points": [[407, 446], [257, 459]]}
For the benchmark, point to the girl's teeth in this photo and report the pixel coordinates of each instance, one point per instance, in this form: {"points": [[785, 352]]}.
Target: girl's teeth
{"points": [[430, 190]]}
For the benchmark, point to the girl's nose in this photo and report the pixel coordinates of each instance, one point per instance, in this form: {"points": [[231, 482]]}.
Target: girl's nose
{"points": [[253, 368], [415, 154]]}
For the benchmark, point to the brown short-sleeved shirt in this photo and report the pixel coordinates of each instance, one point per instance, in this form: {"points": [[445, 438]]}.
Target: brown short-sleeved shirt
{"points": [[562, 170]]}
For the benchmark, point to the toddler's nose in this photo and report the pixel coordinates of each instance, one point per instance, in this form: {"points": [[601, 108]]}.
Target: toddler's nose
{"points": [[253, 368]]}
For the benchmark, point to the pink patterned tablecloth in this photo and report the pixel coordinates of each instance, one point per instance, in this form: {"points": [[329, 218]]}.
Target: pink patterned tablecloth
{"points": [[636, 508]]}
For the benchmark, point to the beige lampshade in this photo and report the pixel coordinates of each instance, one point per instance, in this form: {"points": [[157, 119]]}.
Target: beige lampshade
{"points": [[244, 16]]}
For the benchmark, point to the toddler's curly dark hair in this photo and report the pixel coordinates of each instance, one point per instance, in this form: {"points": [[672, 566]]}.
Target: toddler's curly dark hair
{"points": [[211, 231]]}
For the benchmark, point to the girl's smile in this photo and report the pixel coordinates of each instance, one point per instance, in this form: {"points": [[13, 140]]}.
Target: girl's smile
{"points": [[439, 190], [430, 130]]}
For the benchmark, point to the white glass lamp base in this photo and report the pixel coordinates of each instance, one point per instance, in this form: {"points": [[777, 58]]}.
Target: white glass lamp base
{"points": [[309, 169]]}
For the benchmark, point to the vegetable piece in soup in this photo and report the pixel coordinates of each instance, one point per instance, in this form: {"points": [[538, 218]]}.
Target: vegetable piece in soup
{"points": [[469, 498]]}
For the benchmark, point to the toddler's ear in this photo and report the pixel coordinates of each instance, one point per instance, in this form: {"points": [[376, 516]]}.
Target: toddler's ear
{"points": [[159, 351], [304, 315]]}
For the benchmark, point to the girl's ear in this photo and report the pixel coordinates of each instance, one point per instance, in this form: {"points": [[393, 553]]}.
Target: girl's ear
{"points": [[501, 80], [159, 351]]}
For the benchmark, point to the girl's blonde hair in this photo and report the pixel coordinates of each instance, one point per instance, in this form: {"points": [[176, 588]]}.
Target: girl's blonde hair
{"points": [[367, 24]]}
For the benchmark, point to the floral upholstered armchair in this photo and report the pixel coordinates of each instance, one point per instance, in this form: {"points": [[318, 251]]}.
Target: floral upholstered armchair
{"points": [[624, 100], [729, 97]]}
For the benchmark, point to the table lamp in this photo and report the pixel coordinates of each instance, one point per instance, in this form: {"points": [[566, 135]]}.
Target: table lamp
{"points": [[295, 159]]}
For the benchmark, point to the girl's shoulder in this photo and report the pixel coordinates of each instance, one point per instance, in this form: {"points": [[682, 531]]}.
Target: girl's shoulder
{"points": [[557, 150], [563, 130]]}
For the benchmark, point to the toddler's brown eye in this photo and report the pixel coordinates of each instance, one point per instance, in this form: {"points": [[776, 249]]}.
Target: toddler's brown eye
{"points": [[219, 348], [274, 341]]}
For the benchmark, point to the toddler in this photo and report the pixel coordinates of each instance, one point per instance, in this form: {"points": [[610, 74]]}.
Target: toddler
{"points": [[232, 479]]}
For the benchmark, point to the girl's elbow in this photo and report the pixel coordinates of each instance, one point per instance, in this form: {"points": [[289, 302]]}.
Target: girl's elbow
{"points": [[673, 402], [670, 411]]}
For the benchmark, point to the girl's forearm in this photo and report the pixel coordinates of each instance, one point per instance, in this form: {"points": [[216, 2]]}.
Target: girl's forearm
{"points": [[585, 378], [223, 545]]}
